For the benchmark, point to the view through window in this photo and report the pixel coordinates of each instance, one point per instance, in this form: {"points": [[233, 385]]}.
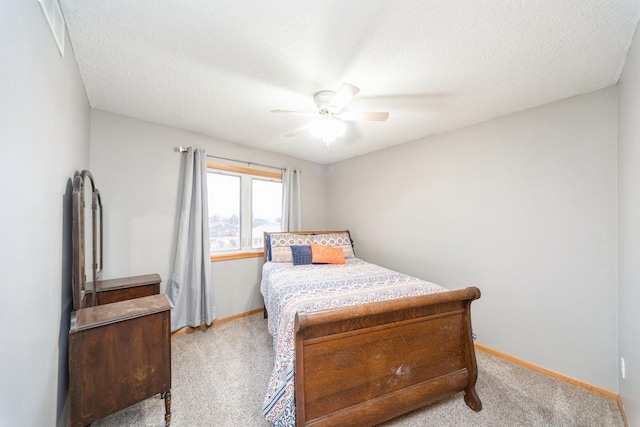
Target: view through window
{"points": [[224, 212], [266, 209]]}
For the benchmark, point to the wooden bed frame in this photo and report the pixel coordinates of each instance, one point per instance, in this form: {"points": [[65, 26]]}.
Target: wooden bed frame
{"points": [[367, 364]]}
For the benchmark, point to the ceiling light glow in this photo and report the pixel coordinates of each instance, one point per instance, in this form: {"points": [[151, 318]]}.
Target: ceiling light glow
{"points": [[327, 128]]}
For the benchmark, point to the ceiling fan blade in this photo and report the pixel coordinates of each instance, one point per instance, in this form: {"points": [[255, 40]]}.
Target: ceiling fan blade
{"points": [[298, 113], [354, 116], [344, 95], [297, 131]]}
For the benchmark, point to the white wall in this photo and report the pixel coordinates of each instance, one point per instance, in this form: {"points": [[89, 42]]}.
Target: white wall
{"points": [[138, 173], [524, 207], [44, 139], [629, 230]]}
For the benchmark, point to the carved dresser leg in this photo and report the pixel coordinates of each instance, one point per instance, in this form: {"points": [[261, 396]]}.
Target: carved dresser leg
{"points": [[167, 407]]}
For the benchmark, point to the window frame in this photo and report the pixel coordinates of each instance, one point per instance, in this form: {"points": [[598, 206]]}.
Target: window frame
{"points": [[241, 254]]}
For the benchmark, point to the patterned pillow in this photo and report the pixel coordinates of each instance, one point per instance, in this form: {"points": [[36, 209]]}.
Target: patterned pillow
{"points": [[281, 245], [341, 240], [301, 254]]}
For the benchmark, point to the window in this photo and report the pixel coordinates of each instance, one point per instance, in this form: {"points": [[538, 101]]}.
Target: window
{"points": [[243, 204]]}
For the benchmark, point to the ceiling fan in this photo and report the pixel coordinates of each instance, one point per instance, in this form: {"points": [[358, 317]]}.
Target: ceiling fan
{"points": [[330, 118]]}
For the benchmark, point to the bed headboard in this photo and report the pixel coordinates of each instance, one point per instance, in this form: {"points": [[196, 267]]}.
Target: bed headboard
{"points": [[268, 234]]}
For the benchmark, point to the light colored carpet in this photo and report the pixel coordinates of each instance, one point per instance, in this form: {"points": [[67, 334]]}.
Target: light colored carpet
{"points": [[219, 378]]}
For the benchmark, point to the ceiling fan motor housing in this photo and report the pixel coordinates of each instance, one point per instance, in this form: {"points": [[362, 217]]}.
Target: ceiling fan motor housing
{"points": [[323, 98]]}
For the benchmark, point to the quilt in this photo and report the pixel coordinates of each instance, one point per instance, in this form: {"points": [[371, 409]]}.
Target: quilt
{"points": [[288, 289]]}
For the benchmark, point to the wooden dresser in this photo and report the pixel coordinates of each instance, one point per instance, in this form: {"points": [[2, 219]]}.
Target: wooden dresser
{"points": [[119, 354], [120, 332]]}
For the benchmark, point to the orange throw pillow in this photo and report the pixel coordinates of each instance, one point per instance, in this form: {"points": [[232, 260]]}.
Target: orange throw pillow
{"points": [[326, 254]]}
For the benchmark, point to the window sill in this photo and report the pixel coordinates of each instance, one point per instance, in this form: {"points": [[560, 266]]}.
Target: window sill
{"points": [[237, 255]]}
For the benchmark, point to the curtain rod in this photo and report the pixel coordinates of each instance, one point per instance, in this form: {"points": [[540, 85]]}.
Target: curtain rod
{"points": [[184, 150]]}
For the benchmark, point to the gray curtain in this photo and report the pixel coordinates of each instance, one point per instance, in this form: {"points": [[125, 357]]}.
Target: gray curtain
{"points": [[190, 287], [291, 218]]}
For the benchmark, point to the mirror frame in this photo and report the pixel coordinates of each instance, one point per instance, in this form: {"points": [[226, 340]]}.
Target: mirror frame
{"points": [[78, 239]]}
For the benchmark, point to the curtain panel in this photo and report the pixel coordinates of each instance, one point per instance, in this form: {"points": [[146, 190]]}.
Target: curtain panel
{"points": [[291, 217], [190, 286]]}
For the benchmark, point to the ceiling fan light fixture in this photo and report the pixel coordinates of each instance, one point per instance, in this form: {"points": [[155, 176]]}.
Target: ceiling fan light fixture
{"points": [[327, 128]]}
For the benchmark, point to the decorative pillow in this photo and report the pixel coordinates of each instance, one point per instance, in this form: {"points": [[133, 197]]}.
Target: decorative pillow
{"points": [[326, 255], [281, 245], [341, 240], [268, 243], [301, 254]]}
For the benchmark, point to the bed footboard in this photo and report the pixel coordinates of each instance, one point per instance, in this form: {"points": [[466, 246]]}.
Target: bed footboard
{"points": [[366, 364]]}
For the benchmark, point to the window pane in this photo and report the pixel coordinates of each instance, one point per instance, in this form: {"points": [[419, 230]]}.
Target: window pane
{"points": [[224, 212], [266, 209]]}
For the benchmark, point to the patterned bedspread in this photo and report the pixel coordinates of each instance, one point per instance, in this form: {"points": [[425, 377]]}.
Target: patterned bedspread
{"points": [[288, 289]]}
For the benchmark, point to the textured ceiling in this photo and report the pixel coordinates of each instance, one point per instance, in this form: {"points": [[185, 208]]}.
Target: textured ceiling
{"points": [[220, 67]]}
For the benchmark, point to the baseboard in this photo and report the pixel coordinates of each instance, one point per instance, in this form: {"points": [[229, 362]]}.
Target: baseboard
{"points": [[553, 374], [185, 331], [622, 412]]}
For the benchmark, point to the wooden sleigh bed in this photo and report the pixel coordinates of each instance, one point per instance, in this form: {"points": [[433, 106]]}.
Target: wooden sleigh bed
{"points": [[367, 363]]}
